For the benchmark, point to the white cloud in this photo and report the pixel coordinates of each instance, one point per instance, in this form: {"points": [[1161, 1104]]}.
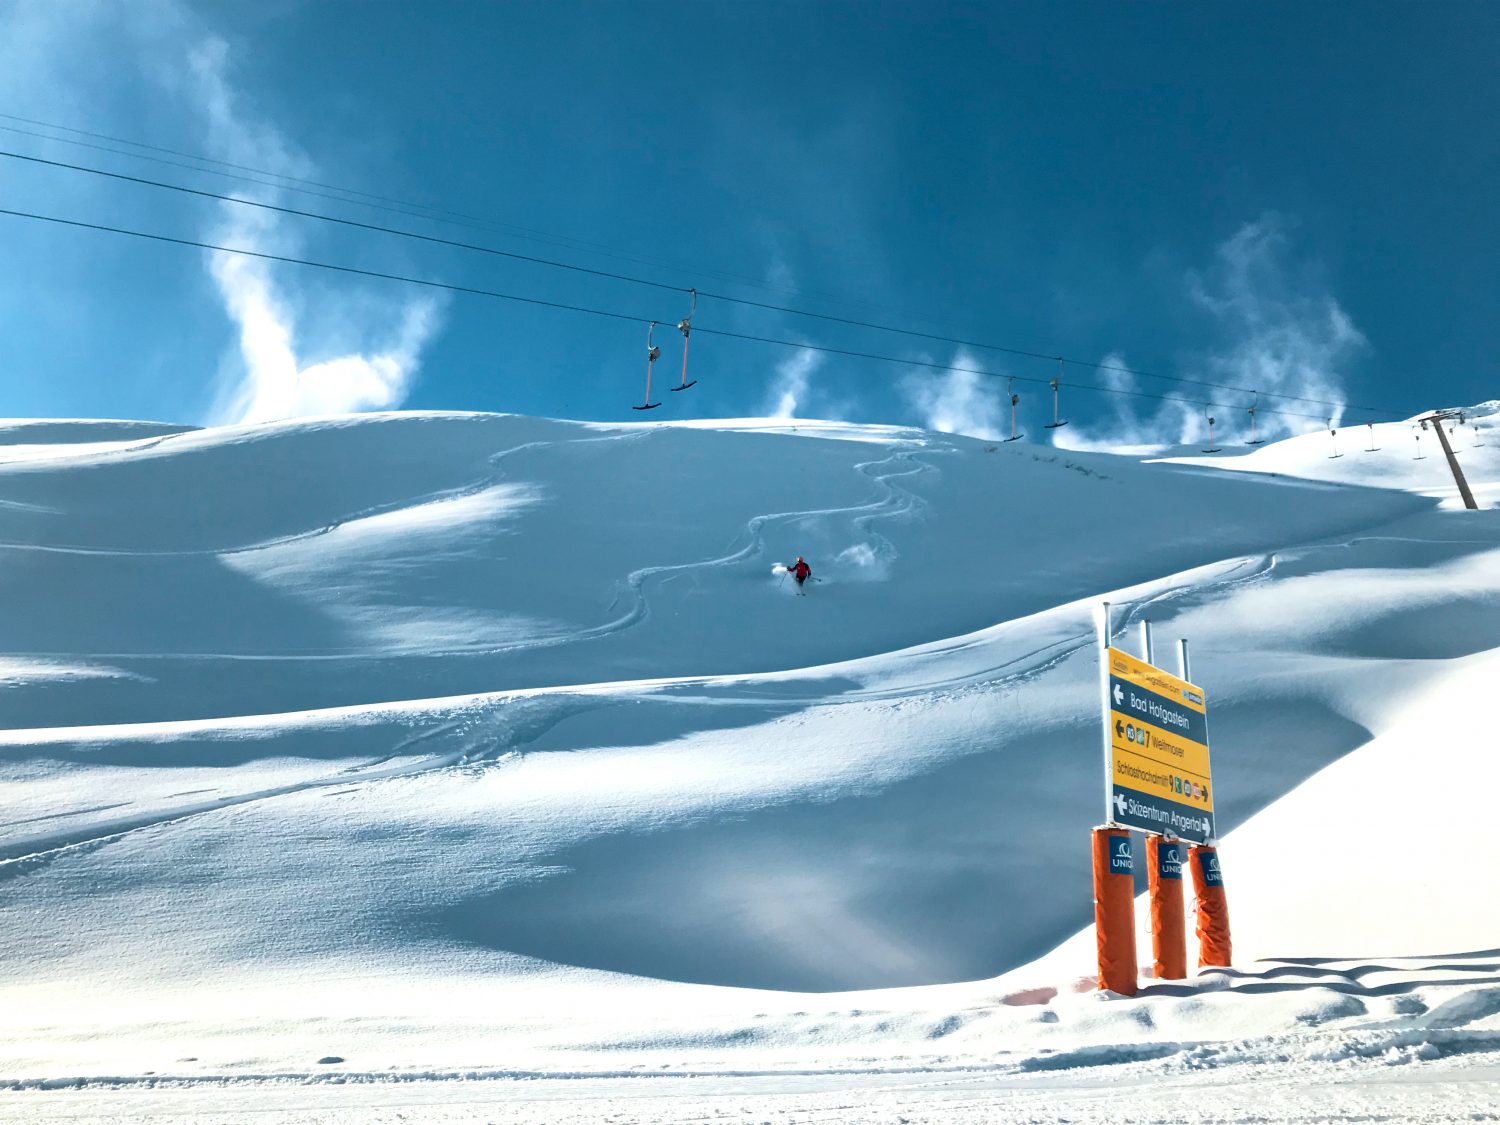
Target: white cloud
{"points": [[959, 401], [1283, 334]]}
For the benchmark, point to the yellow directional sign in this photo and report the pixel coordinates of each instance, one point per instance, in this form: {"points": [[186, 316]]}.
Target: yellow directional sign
{"points": [[1158, 735]]}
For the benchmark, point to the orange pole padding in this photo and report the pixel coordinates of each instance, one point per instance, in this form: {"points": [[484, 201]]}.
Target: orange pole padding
{"points": [[1168, 922], [1114, 910], [1213, 908]]}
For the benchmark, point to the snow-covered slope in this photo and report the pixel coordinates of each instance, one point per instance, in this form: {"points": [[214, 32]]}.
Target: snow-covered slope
{"points": [[466, 744], [313, 564]]}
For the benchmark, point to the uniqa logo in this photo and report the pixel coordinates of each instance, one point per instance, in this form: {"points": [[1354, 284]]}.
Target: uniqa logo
{"points": [[1171, 861], [1119, 855], [1211, 873]]}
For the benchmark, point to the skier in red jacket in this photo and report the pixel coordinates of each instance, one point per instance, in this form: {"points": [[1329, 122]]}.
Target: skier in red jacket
{"points": [[800, 571]]}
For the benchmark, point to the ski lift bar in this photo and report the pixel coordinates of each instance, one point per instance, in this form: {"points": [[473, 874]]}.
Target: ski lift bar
{"points": [[1056, 421], [1014, 399], [652, 352], [1211, 447], [1334, 434], [1253, 439], [1373, 448], [685, 326]]}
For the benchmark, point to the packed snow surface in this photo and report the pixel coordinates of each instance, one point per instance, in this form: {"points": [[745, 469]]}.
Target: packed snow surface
{"points": [[475, 767]]}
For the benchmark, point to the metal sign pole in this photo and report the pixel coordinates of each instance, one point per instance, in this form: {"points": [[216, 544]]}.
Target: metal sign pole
{"points": [[1146, 652], [1184, 671], [1103, 623]]}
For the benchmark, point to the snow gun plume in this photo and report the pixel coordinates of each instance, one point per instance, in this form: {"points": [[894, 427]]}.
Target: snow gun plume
{"points": [[957, 401], [276, 382], [1283, 335]]}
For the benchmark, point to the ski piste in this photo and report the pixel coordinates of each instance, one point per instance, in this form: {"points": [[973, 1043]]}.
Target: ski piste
{"points": [[780, 824]]}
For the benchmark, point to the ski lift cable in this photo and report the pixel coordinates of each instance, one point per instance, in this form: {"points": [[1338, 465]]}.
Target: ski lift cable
{"points": [[418, 236], [605, 313], [194, 156], [355, 223], [424, 211], [336, 268], [652, 283], [458, 218]]}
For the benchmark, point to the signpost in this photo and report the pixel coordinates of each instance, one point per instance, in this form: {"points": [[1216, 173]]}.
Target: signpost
{"points": [[1158, 769], [1157, 780]]}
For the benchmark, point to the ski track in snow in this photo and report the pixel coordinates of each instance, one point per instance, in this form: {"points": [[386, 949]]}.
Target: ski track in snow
{"points": [[891, 502], [1010, 674]]}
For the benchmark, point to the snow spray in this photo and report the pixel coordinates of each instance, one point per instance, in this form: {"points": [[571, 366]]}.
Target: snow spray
{"points": [[1213, 908], [1114, 909], [1168, 923]]}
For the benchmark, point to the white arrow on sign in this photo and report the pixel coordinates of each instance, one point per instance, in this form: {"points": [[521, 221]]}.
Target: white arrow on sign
{"points": [[1119, 696]]}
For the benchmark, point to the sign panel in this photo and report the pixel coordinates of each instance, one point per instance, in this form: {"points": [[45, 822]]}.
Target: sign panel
{"points": [[1158, 736]]}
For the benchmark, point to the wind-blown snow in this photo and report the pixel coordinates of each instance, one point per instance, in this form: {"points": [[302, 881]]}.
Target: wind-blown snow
{"points": [[480, 748]]}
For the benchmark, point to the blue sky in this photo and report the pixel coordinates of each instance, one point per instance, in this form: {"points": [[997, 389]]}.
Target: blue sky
{"points": [[1297, 198]]}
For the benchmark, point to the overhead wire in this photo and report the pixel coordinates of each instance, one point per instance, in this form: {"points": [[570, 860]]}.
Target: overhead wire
{"points": [[264, 206], [388, 204], [652, 283], [610, 314]]}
